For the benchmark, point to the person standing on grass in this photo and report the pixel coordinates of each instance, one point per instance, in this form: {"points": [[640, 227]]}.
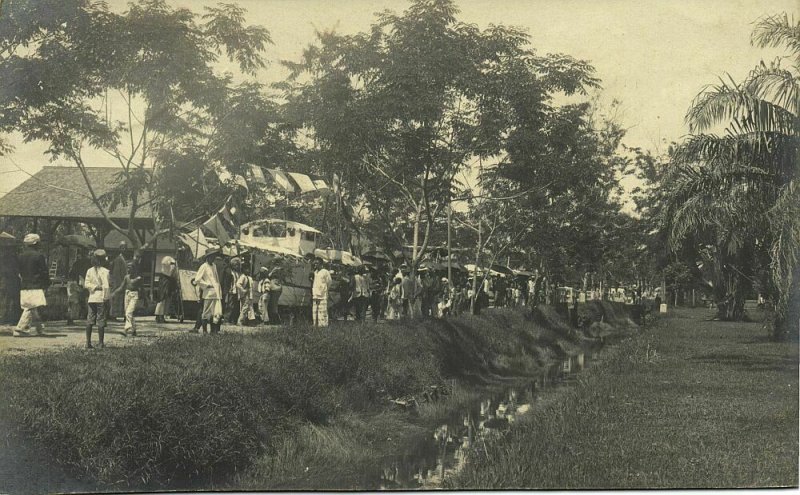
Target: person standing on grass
{"points": [[417, 300], [34, 280], [319, 294], [198, 323], [409, 292], [244, 285], [275, 291], [76, 293], [426, 294], [377, 289], [361, 293], [263, 289], [232, 302], [130, 285], [9, 284], [167, 288], [445, 303], [119, 270], [207, 280], [395, 300], [455, 299], [98, 283]]}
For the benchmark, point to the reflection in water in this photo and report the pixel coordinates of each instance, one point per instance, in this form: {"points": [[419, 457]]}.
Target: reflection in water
{"points": [[430, 462]]}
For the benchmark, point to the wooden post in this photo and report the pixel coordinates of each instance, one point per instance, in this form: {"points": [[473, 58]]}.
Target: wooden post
{"points": [[153, 272], [449, 252]]}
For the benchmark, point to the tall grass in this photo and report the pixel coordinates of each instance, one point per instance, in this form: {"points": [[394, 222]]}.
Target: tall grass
{"points": [[692, 404], [188, 411]]}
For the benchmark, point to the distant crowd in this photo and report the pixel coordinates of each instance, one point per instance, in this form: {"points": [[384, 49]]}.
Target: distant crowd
{"points": [[229, 291]]}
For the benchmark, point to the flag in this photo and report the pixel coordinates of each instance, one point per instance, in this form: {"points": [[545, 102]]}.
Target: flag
{"points": [[215, 225], [322, 186], [196, 242], [225, 211], [281, 180], [304, 181], [258, 174], [241, 182]]}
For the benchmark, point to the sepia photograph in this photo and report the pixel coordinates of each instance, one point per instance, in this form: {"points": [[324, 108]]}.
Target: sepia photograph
{"points": [[367, 245]]}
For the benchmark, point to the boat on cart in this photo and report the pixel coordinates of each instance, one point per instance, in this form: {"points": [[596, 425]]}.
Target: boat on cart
{"points": [[287, 246], [292, 246]]}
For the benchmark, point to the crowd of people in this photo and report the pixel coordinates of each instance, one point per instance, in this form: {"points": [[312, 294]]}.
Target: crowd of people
{"points": [[229, 291]]}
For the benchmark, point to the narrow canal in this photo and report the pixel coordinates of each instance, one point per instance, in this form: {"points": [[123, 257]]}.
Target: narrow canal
{"points": [[444, 452]]}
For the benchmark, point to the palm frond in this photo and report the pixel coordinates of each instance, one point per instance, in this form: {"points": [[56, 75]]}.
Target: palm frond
{"points": [[775, 153], [724, 103], [777, 30], [777, 84]]}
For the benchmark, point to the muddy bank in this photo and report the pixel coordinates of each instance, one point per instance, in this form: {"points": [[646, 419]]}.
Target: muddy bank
{"points": [[294, 407]]}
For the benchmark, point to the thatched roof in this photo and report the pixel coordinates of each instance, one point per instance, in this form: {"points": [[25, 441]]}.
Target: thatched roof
{"points": [[61, 192]]}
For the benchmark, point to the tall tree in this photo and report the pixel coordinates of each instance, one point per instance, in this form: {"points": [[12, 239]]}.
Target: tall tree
{"points": [[739, 190], [397, 112], [158, 63], [564, 178]]}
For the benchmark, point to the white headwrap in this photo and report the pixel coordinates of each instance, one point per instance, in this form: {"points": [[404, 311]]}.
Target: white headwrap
{"points": [[31, 239]]}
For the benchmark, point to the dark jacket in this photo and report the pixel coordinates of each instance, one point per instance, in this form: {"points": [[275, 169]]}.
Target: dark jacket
{"points": [[33, 271], [225, 277]]}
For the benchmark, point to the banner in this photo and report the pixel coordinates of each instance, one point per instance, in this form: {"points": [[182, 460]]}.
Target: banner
{"points": [[322, 186], [196, 242], [215, 225], [304, 181], [258, 174], [281, 180]]}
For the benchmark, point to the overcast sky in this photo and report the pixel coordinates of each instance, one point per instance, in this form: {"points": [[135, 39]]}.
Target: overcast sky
{"points": [[652, 56]]}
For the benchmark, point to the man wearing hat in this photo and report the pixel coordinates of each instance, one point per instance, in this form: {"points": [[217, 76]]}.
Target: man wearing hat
{"points": [[34, 279], [207, 281], [98, 283], [119, 268]]}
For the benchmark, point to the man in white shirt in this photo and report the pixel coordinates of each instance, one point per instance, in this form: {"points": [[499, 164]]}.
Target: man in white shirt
{"points": [[98, 284], [207, 282], [361, 293], [319, 294], [244, 288]]}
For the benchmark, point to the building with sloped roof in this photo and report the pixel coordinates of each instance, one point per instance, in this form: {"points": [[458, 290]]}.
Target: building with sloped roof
{"points": [[61, 193]]}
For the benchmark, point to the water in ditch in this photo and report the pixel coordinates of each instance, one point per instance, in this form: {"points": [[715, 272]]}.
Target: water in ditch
{"points": [[444, 452]]}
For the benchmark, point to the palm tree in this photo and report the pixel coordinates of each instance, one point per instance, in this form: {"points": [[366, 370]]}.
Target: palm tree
{"points": [[738, 191]]}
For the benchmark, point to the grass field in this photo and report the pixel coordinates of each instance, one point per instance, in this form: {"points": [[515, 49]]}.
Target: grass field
{"points": [[689, 403], [256, 410]]}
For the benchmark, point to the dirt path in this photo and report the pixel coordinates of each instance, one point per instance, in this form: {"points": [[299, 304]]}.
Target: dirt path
{"points": [[58, 336]]}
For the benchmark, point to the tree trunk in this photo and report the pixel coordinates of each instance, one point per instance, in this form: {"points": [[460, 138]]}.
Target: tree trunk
{"points": [[786, 325], [417, 219], [474, 297]]}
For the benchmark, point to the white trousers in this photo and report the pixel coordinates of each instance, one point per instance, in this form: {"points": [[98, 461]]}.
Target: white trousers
{"points": [[131, 299]]}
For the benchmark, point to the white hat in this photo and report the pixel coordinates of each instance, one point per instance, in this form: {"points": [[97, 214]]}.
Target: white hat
{"points": [[31, 239]]}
